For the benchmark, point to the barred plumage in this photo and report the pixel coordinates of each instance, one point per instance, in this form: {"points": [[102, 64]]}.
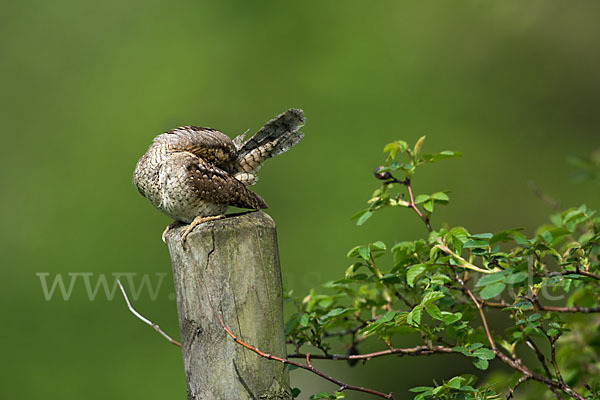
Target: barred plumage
{"points": [[191, 171]]}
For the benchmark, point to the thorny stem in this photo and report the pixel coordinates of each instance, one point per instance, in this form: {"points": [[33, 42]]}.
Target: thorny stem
{"points": [[388, 178], [514, 363], [308, 366], [425, 218]]}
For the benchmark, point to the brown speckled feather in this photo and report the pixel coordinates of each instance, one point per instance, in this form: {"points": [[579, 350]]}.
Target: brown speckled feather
{"points": [[215, 185], [192, 171]]}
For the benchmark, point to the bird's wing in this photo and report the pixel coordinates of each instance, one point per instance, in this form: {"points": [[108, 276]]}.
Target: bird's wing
{"points": [[214, 185], [209, 144]]}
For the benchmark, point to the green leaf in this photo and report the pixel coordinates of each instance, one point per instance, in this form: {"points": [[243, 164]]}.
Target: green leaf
{"points": [[481, 364], [369, 329], [450, 318], [547, 236], [418, 389], [296, 392], [441, 197], [353, 252], [476, 243], [462, 350], [413, 273], [433, 157], [393, 148], [521, 240], [363, 218], [428, 205], [379, 245], [533, 317], [456, 382], [304, 320], [421, 198], [363, 252], [336, 312], [414, 316], [516, 278], [418, 146], [492, 290], [484, 354], [387, 317], [438, 390], [504, 236], [553, 332], [325, 302], [491, 278], [430, 297], [460, 236], [351, 270], [433, 311], [460, 233], [482, 236]]}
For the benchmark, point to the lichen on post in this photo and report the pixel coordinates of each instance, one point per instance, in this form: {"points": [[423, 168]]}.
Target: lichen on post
{"points": [[230, 266]]}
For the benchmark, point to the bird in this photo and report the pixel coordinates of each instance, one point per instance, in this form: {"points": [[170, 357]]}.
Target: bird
{"points": [[193, 174]]}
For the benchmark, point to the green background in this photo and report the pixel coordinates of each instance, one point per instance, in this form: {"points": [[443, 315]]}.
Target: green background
{"points": [[86, 86]]}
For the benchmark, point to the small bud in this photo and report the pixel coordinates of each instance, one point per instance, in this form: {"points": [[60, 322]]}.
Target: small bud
{"points": [[383, 175]]}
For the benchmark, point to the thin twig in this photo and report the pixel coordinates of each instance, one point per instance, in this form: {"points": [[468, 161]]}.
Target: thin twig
{"points": [[514, 363], [308, 366], [578, 271], [412, 351], [404, 300], [145, 320], [479, 308], [583, 310], [552, 341], [425, 219], [522, 379], [542, 360], [388, 179]]}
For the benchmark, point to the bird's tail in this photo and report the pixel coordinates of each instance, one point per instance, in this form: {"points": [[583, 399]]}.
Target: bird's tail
{"points": [[277, 136]]}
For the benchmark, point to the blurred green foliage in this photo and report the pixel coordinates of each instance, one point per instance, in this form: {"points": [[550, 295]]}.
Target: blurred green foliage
{"points": [[87, 85]]}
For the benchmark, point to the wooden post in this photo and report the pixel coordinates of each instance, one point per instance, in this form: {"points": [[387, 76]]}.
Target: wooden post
{"points": [[232, 266]]}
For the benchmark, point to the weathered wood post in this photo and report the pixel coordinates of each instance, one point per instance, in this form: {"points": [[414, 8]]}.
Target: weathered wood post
{"points": [[232, 266]]}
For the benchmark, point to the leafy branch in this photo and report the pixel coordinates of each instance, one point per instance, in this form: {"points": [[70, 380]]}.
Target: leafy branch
{"points": [[435, 286]]}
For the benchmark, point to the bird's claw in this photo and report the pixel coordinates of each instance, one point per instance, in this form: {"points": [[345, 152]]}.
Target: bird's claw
{"points": [[197, 221], [167, 229]]}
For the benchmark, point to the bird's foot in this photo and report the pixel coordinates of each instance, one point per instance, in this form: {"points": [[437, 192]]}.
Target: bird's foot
{"points": [[197, 221], [172, 225]]}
